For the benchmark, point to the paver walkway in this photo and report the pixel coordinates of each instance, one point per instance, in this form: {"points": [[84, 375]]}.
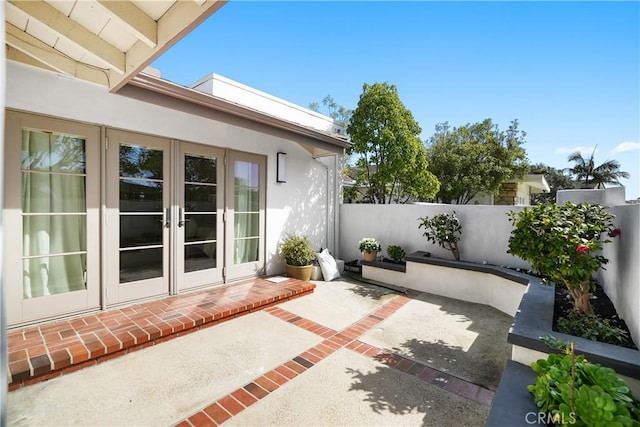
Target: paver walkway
{"points": [[235, 402], [324, 359]]}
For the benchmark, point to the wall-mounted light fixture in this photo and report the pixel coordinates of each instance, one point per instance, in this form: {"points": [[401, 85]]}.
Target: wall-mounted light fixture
{"points": [[281, 167]]}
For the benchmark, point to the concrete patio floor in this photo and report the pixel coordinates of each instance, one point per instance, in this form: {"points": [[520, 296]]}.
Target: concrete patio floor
{"points": [[348, 354]]}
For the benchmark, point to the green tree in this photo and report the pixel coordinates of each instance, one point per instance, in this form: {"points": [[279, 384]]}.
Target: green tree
{"points": [[556, 179], [475, 158], [591, 176], [390, 160], [337, 112]]}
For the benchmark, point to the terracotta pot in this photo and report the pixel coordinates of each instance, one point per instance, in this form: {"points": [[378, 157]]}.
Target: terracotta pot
{"points": [[300, 272], [370, 256]]}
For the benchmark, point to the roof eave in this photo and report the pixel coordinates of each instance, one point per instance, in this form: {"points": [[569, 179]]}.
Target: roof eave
{"points": [[334, 144]]}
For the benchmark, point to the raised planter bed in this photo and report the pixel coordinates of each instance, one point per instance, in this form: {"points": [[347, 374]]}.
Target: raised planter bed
{"points": [[533, 318], [491, 285]]}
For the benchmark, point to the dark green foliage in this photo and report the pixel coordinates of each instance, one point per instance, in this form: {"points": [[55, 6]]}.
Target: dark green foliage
{"points": [[591, 327], [579, 393], [390, 160], [396, 253], [443, 229], [475, 158], [591, 176], [563, 243]]}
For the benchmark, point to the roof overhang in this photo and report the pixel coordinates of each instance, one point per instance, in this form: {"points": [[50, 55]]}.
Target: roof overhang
{"points": [[101, 41], [537, 182], [149, 88]]}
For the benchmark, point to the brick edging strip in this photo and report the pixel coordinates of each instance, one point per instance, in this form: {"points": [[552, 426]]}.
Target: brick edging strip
{"points": [[232, 404]]}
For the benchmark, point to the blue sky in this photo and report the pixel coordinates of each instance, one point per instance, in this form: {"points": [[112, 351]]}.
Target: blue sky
{"points": [[568, 71]]}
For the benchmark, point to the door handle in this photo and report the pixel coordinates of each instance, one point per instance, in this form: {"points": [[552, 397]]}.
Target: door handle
{"points": [[182, 221], [166, 221]]}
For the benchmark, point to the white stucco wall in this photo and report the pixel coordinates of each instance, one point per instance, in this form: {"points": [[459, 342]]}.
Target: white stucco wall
{"points": [[606, 197], [485, 230], [297, 206], [621, 279]]}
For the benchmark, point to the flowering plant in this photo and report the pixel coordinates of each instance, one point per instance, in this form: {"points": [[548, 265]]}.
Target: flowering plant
{"points": [[563, 243], [369, 244]]}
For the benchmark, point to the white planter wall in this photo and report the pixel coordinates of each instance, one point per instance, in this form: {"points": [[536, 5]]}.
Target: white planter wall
{"points": [[485, 230]]}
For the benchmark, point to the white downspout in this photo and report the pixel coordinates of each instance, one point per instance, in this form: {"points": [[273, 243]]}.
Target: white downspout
{"points": [[337, 179], [326, 220]]}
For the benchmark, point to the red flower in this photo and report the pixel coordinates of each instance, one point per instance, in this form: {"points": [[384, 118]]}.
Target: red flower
{"points": [[615, 232], [582, 248]]}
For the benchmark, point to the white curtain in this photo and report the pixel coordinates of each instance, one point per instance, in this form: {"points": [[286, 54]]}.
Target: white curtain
{"points": [[54, 214], [247, 212]]}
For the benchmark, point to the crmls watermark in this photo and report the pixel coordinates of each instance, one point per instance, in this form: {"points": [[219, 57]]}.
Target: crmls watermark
{"points": [[544, 418]]}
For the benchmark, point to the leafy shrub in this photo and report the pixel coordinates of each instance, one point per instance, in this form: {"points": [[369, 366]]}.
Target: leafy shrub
{"points": [[369, 244], [296, 250], [591, 327], [396, 253], [579, 393], [443, 229], [561, 243]]}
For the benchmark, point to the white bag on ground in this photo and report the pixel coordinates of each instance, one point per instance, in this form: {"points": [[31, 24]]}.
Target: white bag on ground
{"points": [[328, 265]]}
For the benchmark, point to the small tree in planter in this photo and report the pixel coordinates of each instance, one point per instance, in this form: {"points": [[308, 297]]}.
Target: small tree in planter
{"points": [[443, 229], [561, 243]]}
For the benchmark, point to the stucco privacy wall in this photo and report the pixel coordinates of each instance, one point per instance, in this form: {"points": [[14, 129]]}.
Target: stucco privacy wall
{"points": [[299, 205], [485, 230], [621, 279], [485, 237]]}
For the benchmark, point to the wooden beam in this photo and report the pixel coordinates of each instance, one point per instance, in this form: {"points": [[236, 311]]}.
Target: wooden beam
{"points": [[16, 55], [179, 20], [72, 31], [52, 58], [133, 20]]}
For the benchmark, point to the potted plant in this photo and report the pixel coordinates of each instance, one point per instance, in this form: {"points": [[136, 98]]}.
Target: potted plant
{"points": [[298, 255], [369, 247]]}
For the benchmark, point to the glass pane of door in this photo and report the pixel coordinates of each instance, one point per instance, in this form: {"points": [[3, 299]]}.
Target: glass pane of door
{"points": [[200, 205], [51, 217], [200, 212], [137, 216], [141, 213], [245, 219], [54, 214], [246, 195]]}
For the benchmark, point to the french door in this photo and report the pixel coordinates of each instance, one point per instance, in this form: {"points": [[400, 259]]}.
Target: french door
{"points": [[245, 215], [51, 217], [169, 213], [138, 216], [149, 217], [199, 216]]}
